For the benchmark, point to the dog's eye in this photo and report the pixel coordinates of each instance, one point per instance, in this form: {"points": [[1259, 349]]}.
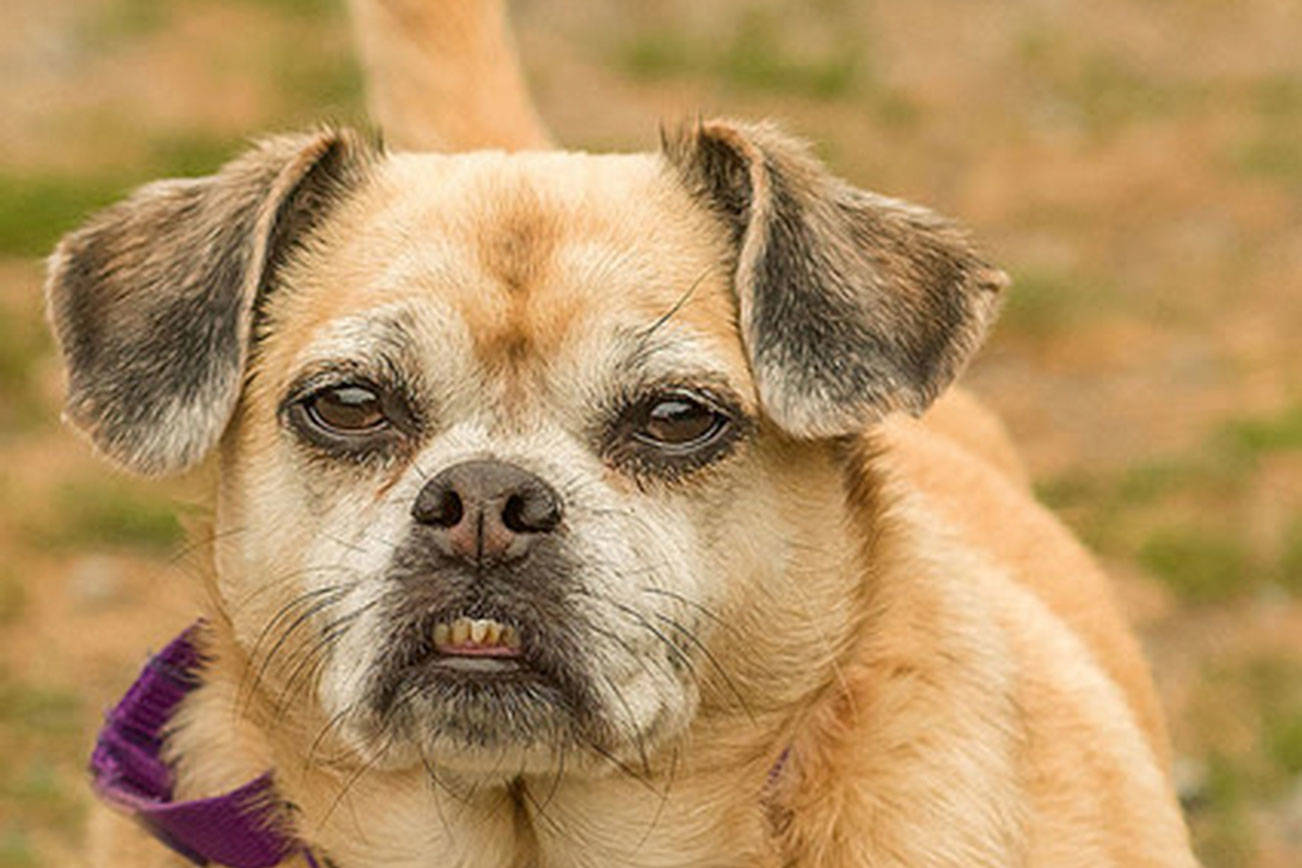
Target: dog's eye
{"points": [[672, 431], [349, 409], [679, 422]]}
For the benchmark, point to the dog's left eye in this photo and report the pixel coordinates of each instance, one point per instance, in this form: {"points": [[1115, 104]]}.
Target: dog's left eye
{"points": [[678, 422], [347, 409]]}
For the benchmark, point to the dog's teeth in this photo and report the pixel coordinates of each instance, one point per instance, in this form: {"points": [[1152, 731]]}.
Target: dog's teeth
{"points": [[483, 632], [478, 631], [460, 631]]}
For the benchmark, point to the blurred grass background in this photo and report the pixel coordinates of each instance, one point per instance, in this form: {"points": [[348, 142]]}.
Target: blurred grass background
{"points": [[1136, 164]]}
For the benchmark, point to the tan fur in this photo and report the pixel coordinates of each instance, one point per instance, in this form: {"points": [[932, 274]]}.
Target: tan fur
{"points": [[441, 75], [960, 417], [938, 661]]}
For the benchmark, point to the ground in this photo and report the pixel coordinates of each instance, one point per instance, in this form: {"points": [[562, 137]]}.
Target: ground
{"points": [[1135, 164]]}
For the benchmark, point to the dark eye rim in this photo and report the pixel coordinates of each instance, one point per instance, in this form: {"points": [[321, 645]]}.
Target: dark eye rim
{"points": [[721, 422]]}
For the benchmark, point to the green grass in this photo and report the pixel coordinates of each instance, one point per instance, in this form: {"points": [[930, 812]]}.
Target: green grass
{"points": [[13, 596], [754, 57], [1290, 558], [1274, 156], [190, 154], [315, 9], [1276, 686], [37, 711], [1221, 828], [1277, 97], [1044, 302], [1070, 490], [1199, 565], [1149, 481], [1105, 89], [1274, 149], [1253, 436], [24, 341], [1284, 741], [119, 21], [40, 780], [319, 87], [43, 793], [109, 513], [1111, 90], [36, 210], [15, 849], [1260, 697], [1184, 518], [1140, 485]]}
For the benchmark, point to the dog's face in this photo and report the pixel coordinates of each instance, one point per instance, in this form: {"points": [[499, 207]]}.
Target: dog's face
{"points": [[505, 391], [526, 460]]}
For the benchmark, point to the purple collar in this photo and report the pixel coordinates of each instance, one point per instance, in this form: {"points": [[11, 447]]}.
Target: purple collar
{"points": [[239, 829]]}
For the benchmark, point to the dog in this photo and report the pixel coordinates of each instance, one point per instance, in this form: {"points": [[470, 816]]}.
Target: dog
{"points": [[574, 509]]}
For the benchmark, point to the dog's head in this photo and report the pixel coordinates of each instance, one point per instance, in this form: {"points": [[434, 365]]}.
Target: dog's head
{"points": [[519, 454]]}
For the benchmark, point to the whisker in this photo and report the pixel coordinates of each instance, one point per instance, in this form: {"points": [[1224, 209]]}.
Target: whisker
{"points": [[617, 763], [664, 797], [632, 723], [713, 662], [316, 606], [669, 314], [703, 609], [318, 653]]}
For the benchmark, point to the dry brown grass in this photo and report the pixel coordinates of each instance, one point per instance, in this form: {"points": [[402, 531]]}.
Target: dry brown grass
{"points": [[1137, 165]]}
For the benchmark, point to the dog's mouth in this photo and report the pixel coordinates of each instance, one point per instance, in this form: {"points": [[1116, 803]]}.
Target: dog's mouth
{"points": [[477, 654], [477, 645], [484, 659]]}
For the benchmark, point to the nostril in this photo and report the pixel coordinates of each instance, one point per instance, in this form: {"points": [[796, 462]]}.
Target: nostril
{"points": [[531, 513], [441, 507], [448, 511], [513, 514]]}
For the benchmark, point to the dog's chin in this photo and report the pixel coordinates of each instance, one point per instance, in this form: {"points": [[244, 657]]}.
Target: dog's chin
{"points": [[490, 717], [508, 713]]}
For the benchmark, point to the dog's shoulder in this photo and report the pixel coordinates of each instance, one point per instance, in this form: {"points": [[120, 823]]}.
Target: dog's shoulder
{"points": [[996, 673], [996, 709], [960, 417], [995, 514]]}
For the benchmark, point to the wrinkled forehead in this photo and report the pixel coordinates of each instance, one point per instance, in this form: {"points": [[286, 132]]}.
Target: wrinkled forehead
{"points": [[530, 265]]}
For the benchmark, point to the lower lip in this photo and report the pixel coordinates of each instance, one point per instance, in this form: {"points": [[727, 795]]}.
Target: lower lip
{"points": [[471, 659], [477, 664], [476, 651]]}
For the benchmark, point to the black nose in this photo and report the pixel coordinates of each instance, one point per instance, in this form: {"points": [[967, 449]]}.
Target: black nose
{"points": [[487, 511]]}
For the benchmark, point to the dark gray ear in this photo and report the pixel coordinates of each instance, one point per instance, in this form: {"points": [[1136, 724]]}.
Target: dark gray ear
{"points": [[151, 301], [850, 304]]}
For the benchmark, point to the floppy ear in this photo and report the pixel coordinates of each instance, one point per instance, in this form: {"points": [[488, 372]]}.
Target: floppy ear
{"points": [[851, 304], [152, 300]]}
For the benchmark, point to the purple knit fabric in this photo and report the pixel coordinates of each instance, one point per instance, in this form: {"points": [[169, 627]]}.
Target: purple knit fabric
{"points": [[237, 829]]}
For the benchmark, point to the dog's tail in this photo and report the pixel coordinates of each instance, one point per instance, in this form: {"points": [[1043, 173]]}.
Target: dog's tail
{"points": [[443, 75]]}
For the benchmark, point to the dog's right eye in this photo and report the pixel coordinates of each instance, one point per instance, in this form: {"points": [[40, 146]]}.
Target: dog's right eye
{"points": [[347, 409], [354, 419]]}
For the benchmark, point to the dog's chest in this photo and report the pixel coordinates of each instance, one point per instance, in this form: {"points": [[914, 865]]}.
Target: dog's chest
{"points": [[610, 822]]}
